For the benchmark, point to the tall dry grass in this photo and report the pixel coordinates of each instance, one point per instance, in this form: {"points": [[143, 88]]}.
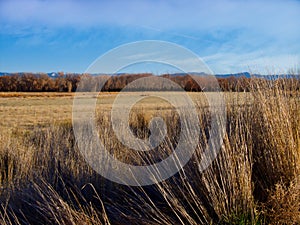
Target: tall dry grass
{"points": [[254, 179]]}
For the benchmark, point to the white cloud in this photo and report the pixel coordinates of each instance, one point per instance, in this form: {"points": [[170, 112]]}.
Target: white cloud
{"points": [[255, 62], [273, 17]]}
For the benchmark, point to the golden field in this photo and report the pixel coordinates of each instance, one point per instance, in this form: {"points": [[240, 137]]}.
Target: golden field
{"points": [[255, 178], [24, 110]]}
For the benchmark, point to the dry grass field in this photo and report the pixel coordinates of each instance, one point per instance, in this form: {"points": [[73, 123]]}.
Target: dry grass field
{"points": [[255, 179], [25, 110]]}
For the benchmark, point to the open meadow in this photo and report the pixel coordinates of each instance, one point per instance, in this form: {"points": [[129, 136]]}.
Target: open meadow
{"points": [[25, 110], [255, 178], [149, 112]]}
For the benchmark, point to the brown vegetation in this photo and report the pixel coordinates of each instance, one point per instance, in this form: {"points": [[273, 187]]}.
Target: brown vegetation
{"points": [[254, 179], [29, 82]]}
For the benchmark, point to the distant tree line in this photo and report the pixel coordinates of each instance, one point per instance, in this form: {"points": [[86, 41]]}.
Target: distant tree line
{"points": [[31, 82]]}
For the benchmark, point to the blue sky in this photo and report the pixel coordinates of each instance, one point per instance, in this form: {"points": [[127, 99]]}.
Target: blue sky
{"points": [[229, 35]]}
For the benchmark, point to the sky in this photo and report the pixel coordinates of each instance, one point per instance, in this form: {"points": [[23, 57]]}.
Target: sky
{"points": [[230, 36]]}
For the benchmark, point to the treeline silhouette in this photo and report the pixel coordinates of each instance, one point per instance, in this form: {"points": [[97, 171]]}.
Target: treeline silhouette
{"points": [[31, 82], [41, 82]]}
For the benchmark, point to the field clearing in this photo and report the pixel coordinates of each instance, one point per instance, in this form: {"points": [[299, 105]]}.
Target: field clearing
{"points": [[24, 110]]}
